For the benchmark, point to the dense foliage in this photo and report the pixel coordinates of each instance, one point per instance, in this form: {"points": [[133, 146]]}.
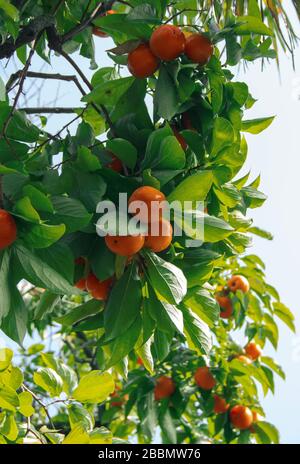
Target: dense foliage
{"points": [[151, 347]]}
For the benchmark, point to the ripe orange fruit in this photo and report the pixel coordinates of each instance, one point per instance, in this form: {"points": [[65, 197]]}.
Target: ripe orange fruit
{"points": [[204, 378], [115, 164], [150, 197], [101, 291], [127, 245], [162, 241], [81, 284], [164, 388], [226, 306], [220, 405], [238, 282], [241, 417], [97, 30], [180, 138], [253, 350], [142, 62], [8, 229], [91, 282], [244, 359], [198, 48], [167, 42]]}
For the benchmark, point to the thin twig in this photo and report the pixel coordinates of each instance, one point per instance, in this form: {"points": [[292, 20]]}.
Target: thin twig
{"points": [[98, 11], [36, 398], [46, 76], [49, 110]]}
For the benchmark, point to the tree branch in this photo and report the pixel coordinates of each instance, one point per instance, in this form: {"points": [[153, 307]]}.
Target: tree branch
{"points": [[41, 75], [50, 110], [43, 22], [26, 36], [98, 11]]}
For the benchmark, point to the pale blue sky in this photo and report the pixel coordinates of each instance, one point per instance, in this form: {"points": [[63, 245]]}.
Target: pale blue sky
{"points": [[274, 154]]}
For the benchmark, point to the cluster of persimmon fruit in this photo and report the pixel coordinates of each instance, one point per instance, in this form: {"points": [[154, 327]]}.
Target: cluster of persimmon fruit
{"points": [[241, 417], [235, 283], [157, 239], [167, 43]]}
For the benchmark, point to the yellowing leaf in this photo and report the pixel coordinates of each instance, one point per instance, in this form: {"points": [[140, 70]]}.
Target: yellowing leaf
{"points": [[8, 398], [26, 408], [6, 356], [101, 436], [77, 436], [94, 387], [49, 380], [9, 427]]}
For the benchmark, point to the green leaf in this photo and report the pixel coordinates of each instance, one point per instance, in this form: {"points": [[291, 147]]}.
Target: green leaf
{"points": [[167, 317], [197, 332], [154, 143], [66, 373], [6, 356], [215, 229], [273, 365], [5, 297], [167, 426], [19, 128], [80, 415], [256, 126], [46, 305], [108, 93], [45, 270], [267, 432], [90, 308], [101, 436], [14, 325], [38, 199], [205, 306], [26, 399], [193, 188], [123, 150], [281, 311], [9, 427], [144, 352], [171, 155], [44, 235], [48, 380], [251, 25], [86, 160], [9, 9], [8, 398], [94, 387], [24, 208], [261, 233], [122, 345], [123, 305], [70, 212], [77, 436], [166, 98], [253, 198], [222, 137], [165, 278]]}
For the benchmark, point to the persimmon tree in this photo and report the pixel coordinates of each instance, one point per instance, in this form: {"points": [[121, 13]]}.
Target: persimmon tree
{"points": [[145, 324]]}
